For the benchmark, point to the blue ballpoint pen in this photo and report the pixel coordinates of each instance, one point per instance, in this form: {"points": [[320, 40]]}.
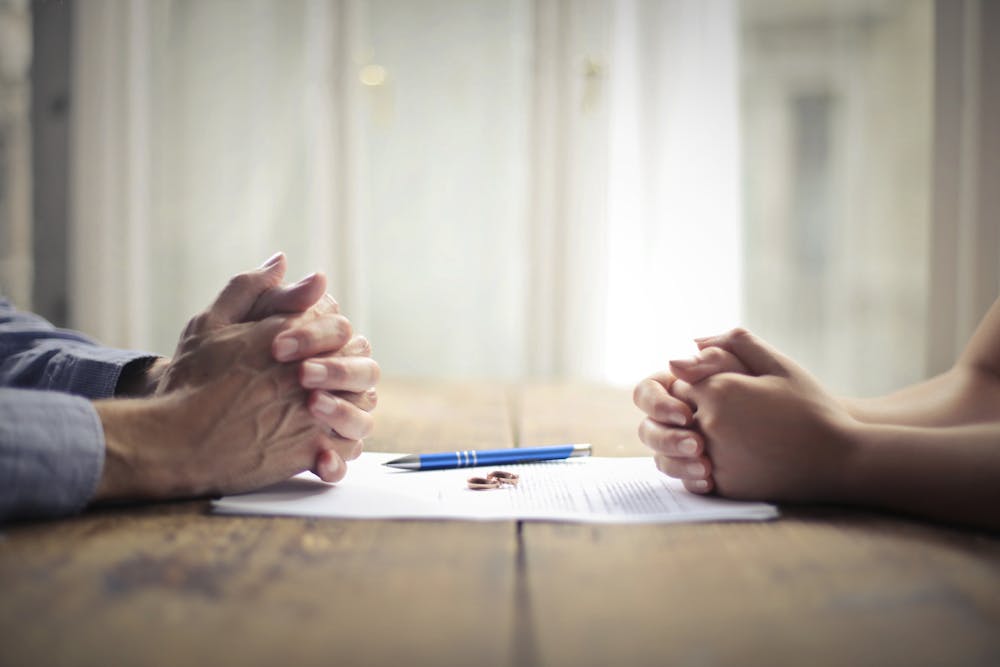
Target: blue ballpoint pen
{"points": [[487, 457]]}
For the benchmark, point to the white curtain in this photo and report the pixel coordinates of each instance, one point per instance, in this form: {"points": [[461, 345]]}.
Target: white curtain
{"points": [[497, 188], [674, 223], [202, 142]]}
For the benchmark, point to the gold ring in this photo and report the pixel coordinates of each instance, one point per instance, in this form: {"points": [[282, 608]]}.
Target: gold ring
{"points": [[481, 483], [504, 477]]}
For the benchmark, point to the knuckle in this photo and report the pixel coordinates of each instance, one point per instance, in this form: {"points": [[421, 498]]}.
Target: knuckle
{"points": [[672, 467], [664, 409], [679, 389], [327, 304], [307, 337], [336, 371], [241, 281], [714, 355], [200, 322], [643, 431], [653, 435], [320, 438], [343, 328], [341, 411], [348, 448], [707, 463], [708, 421], [673, 438], [724, 385], [362, 346], [740, 333], [351, 422], [367, 425], [637, 394], [647, 399]]}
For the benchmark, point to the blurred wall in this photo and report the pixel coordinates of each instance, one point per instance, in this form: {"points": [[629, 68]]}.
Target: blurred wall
{"points": [[837, 118], [50, 112], [15, 152]]}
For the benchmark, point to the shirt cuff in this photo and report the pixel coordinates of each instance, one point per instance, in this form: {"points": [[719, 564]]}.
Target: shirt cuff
{"points": [[51, 453], [92, 372]]}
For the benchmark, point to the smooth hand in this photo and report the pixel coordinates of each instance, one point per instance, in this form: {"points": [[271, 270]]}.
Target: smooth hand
{"points": [[670, 428], [772, 433]]}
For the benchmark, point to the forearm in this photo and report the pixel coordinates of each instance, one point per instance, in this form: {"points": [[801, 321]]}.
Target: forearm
{"points": [[963, 395], [949, 474], [137, 444]]}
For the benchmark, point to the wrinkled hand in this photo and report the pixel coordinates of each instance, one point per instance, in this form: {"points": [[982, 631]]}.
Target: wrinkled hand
{"points": [[335, 368], [234, 421]]}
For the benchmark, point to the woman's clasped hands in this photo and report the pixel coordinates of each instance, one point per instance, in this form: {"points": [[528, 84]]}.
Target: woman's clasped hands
{"points": [[741, 419]]}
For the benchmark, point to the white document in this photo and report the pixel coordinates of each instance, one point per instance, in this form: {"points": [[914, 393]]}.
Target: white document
{"points": [[585, 489]]}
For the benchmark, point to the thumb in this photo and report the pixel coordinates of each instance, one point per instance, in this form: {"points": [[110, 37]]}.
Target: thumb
{"points": [[296, 298], [759, 357], [709, 361], [236, 300]]}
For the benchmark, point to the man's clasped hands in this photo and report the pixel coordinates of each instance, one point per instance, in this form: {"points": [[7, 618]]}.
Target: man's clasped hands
{"points": [[269, 381]]}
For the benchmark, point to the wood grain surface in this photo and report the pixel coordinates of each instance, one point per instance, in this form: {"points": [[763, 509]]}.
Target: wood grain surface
{"points": [[821, 586], [171, 584]]}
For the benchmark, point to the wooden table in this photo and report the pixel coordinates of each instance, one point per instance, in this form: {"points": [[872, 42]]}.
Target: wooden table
{"points": [[171, 584]]}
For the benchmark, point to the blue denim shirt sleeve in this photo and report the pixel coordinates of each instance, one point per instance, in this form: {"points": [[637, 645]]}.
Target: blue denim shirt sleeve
{"points": [[36, 355], [51, 453], [51, 438]]}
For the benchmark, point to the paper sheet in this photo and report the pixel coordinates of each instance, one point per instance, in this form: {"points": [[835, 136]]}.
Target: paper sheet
{"points": [[591, 489]]}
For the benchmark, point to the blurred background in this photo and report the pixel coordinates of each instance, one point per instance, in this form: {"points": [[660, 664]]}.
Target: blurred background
{"points": [[513, 189]]}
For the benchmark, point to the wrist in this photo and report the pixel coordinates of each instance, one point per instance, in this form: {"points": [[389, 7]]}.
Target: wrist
{"points": [[136, 450], [863, 410], [857, 438]]}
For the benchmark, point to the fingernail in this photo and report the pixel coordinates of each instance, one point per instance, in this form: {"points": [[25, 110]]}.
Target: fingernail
{"points": [[677, 418], [332, 464], [305, 280], [285, 348], [326, 404], [313, 374], [272, 260], [701, 484], [696, 469], [687, 362], [687, 446]]}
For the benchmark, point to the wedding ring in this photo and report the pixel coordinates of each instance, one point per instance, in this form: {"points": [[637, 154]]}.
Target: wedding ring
{"points": [[481, 483], [504, 477]]}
